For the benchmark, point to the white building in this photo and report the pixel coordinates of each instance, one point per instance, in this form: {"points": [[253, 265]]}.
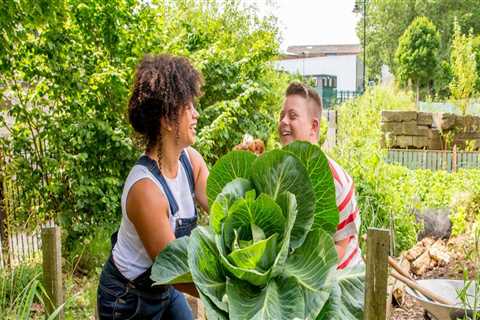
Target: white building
{"points": [[332, 66]]}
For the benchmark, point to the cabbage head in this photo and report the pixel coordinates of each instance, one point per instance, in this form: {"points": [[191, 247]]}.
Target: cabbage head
{"points": [[268, 251]]}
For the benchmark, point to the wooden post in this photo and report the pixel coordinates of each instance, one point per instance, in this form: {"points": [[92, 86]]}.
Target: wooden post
{"points": [[378, 244], [52, 268], [454, 158]]}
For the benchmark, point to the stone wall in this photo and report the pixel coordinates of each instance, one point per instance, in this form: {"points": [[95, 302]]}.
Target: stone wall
{"points": [[424, 130]]}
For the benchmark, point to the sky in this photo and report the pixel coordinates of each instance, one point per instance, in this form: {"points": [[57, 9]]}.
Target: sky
{"points": [[312, 22]]}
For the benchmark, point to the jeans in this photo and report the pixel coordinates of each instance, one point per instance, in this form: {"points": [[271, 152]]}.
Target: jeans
{"points": [[118, 298]]}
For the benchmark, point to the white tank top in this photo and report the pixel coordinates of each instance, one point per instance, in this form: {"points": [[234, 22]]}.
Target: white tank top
{"points": [[129, 254]]}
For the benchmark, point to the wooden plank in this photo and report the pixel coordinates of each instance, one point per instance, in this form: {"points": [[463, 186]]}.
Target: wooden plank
{"points": [[454, 158], [444, 160], [2, 265], [416, 157], [378, 241], [22, 246], [52, 269], [15, 249], [460, 159], [438, 160], [424, 163]]}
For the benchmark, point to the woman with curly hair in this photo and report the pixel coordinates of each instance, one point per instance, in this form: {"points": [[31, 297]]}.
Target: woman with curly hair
{"points": [[159, 195]]}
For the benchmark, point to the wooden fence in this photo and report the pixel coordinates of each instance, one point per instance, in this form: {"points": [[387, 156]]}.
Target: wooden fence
{"points": [[434, 159], [21, 246]]}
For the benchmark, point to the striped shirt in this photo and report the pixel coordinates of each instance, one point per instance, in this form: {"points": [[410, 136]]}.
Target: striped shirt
{"points": [[349, 225]]}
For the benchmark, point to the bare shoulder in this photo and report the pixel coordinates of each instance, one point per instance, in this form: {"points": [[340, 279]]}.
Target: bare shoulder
{"points": [[196, 159], [144, 194]]}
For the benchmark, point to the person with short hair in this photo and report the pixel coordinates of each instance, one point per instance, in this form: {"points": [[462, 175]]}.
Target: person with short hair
{"points": [[300, 120], [160, 193]]}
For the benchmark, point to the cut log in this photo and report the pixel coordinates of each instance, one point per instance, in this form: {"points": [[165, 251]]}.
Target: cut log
{"points": [[398, 293], [439, 253], [414, 253], [398, 287], [421, 264], [427, 242]]}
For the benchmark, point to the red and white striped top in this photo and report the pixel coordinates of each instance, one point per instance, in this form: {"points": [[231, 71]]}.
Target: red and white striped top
{"points": [[349, 225]]}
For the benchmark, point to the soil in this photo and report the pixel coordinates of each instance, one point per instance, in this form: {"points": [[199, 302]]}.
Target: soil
{"points": [[411, 310]]}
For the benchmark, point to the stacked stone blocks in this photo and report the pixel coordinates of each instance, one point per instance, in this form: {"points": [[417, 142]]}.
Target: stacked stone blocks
{"points": [[424, 130]]}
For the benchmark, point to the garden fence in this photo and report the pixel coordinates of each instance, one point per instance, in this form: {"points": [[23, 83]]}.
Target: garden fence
{"points": [[434, 159], [21, 246]]}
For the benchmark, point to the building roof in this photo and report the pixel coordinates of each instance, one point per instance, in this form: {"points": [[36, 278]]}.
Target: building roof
{"points": [[294, 52]]}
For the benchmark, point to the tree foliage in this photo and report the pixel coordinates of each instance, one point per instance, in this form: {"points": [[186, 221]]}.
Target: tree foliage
{"points": [[464, 69], [387, 20], [67, 66], [417, 52], [476, 49]]}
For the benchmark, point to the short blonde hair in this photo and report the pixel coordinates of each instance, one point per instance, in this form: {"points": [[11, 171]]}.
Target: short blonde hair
{"points": [[307, 92]]}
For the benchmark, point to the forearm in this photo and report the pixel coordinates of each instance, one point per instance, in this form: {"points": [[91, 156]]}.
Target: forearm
{"points": [[341, 247]]}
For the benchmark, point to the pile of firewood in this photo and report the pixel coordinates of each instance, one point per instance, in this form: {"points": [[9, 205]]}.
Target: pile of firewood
{"points": [[424, 256]]}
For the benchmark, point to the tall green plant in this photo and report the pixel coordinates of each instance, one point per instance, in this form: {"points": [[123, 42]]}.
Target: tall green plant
{"points": [[464, 69]]}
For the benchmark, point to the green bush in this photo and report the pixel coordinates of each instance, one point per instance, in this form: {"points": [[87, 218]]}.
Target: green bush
{"points": [[66, 76], [91, 251]]}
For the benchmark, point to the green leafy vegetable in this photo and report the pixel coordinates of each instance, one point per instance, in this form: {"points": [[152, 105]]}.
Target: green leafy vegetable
{"points": [[268, 252]]}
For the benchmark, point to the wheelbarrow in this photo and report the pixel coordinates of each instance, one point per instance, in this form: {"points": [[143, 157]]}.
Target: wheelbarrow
{"points": [[441, 297], [449, 290]]}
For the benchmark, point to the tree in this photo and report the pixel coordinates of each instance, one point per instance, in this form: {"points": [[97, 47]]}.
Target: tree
{"points": [[387, 20], [417, 53], [464, 68], [476, 49]]}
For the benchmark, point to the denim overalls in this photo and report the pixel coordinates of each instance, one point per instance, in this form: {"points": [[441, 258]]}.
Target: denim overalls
{"points": [[120, 298]]}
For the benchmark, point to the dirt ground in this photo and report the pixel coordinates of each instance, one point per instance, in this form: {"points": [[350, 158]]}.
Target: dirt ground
{"points": [[411, 310]]}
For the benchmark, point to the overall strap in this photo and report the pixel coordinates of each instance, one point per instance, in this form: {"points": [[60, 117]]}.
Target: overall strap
{"points": [[189, 171], [191, 180], [152, 166]]}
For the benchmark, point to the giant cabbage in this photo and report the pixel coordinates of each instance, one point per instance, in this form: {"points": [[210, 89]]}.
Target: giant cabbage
{"points": [[268, 251]]}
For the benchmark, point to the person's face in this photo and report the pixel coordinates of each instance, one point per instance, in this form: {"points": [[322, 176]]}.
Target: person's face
{"points": [[187, 124], [296, 122]]}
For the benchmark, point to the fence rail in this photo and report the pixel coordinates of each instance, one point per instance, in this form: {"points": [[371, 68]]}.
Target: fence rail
{"points": [[434, 159]]}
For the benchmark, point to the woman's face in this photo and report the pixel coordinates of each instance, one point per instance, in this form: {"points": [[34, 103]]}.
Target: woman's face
{"points": [[187, 124]]}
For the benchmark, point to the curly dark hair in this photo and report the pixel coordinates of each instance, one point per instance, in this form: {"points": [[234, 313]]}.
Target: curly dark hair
{"points": [[163, 85]]}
